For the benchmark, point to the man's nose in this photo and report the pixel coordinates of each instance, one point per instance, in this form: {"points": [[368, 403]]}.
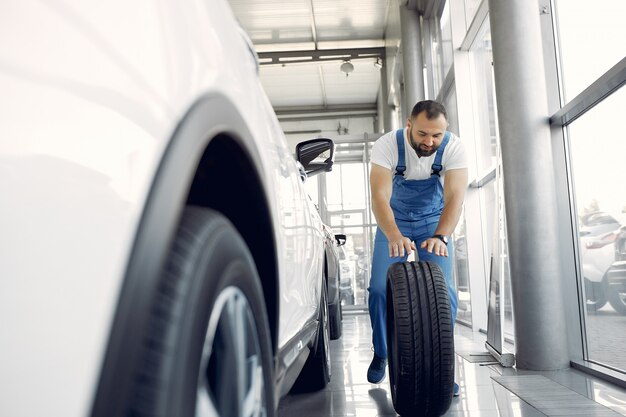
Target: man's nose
{"points": [[428, 141]]}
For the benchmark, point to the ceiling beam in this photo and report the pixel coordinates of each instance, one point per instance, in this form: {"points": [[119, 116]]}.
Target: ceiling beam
{"points": [[290, 57], [325, 116], [299, 110], [297, 113]]}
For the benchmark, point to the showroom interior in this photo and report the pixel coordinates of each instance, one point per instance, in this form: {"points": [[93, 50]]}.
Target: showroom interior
{"points": [[188, 193], [533, 88]]}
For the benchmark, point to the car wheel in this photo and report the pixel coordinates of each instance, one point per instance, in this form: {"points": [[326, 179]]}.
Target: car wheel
{"points": [[315, 374], [351, 299], [617, 300], [336, 324], [208, 349], [595, 293], [420, 341], [341, 314]]}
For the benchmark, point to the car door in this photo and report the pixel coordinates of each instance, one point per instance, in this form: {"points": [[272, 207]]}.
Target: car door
{"points": [[300, 243]]}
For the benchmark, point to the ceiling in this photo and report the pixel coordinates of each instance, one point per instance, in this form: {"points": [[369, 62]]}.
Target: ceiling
{"points": [[303, 43]]}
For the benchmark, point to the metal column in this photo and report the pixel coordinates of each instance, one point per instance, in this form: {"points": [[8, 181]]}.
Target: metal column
{"points": [[412, 64], [382, 104], [529, 190], [386, 111]]}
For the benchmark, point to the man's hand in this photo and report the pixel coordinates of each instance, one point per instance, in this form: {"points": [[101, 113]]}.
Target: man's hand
{"points": [[398, 245], [435, 245]]}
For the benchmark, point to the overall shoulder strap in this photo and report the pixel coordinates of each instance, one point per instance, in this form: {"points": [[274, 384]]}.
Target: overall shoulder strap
{"points": [[436, 167], [401, 165]]}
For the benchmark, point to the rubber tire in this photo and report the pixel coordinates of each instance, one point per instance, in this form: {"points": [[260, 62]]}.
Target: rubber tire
{"points": [[616, 302], [420, 339], [208, 259], [315, 374], [596, 288], [336, 323], [341, 314]]}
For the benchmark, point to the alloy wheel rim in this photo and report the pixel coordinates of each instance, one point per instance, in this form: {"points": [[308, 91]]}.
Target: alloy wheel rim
{"points": [[231, 381]]}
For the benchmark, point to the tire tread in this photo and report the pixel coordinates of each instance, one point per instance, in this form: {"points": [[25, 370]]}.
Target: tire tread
{"points": [[418, 311]]}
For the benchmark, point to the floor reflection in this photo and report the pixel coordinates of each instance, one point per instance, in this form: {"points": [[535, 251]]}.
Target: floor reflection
{"points": [[350, 395]]}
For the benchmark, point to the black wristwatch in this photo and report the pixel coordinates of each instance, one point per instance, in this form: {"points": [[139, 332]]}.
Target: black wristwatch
{"points": [[443, 238]]}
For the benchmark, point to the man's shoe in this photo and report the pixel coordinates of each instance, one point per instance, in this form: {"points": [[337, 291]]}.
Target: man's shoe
{"points": [[376, 371], [456, 390]]}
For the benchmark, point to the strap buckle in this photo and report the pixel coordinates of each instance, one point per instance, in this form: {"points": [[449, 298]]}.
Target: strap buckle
{"points": [[436, 169]]}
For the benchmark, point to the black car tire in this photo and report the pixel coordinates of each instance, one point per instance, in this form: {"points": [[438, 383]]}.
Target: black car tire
{"points": [[617, 300], [595, 294], [341, 314], [348, 299], [208, 344], [420, 342], [315, 374], [336, 324]]}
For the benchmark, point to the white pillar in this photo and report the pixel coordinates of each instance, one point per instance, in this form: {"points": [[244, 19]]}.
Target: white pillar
{"points": [[412, 63], [529, 190]]}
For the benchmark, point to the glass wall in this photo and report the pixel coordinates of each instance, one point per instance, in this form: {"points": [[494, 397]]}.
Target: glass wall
{"points": [[449, 102], [597, 152], [500, 252], [471, 6], [488, 158], [348, 211], [461, 273], [461, 270], [446, 39], [589, 53], [485, 102], [346, 188], [442, 49]]}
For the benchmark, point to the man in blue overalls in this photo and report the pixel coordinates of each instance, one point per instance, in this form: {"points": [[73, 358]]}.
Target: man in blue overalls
{"points": [[413, 204]]}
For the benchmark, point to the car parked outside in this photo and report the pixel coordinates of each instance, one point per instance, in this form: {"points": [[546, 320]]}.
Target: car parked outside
{"points": [[598, 233], [348, 277], [616, 275], [158, 256], [332, 271]]}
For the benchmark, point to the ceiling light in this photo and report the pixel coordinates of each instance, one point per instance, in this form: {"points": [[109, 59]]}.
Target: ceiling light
{"points": [[347, 67]]}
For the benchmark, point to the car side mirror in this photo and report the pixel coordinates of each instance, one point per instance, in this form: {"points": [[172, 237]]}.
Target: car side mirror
{"points": [[316, 155], [340, 239]]}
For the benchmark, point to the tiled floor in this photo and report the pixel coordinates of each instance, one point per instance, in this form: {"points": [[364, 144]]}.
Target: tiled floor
{"points": [[349, 393]]}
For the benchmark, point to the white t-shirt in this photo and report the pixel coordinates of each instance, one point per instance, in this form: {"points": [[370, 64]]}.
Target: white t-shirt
{"points": [[385, 154]]}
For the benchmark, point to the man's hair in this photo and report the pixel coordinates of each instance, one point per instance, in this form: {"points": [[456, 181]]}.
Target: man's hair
{"points": [[432, 108]]}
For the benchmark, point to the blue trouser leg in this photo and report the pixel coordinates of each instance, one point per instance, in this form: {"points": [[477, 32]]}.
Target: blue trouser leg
{"points": [[378, 292], [381, 261]]}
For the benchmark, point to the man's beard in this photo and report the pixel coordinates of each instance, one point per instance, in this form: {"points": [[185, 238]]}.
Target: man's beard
{"points": [[423, 152]]}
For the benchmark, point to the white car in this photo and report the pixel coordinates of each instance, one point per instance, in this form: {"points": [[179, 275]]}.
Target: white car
{"points": [[157, 253]]}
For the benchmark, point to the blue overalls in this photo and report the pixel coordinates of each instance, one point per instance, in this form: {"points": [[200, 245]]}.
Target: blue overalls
{"points": [[417, 206]]}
